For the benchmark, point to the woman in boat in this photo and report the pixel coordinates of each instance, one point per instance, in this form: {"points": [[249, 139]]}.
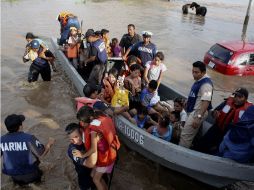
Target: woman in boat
{"points": [[155, 69]]}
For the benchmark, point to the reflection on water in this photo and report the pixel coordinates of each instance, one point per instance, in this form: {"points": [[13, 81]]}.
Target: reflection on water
{"points": [[49, 107], [193, 19]]}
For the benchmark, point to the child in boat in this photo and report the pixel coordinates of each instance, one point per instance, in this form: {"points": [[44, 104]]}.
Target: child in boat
{"points": [[115, 47], [133, 81], [163, 130], [130, 61], [150, 99], [176, 126], [109, 84], [154, 69], [142, 119], [73, 47], [106, 39], [45, 53], [93, 124], [179, 104]]}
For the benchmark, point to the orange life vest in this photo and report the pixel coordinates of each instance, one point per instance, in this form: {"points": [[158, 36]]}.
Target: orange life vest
{"points": [[82, 101], [64, 16], [230, 113], [73, 52], [105, 126], [108, 90]]}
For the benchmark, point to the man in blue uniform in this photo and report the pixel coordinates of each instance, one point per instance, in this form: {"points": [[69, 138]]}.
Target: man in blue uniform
{"points": [[84, 178], [198, 103], [144, 50], [21, 152], [40, 65], [98, 57]]}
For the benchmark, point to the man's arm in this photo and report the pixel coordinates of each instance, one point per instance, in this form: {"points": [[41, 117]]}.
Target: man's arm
{"points": [[38, 148]]}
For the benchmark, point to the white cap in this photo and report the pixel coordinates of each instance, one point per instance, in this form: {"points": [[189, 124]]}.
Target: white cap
{"points": [[147, 33]]}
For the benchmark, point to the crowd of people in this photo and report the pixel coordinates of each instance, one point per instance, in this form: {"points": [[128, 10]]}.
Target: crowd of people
{"points": [[130, 89]]}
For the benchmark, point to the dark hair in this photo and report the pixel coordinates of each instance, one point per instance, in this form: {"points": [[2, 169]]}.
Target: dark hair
{"points": [[200, 65], [160, 55], [153, 84], [131, 25], [135, 67], [164, 121], [180, 101], [104, 31], [115, 39], [71, 128], [30, 35], [85, 113], [142, 110], [176, 114], [131, 59], [89, 89], [113, 71]]}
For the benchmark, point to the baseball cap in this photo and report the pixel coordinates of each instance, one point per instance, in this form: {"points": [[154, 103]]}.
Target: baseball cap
{"points": [[34, 44], [242, 92], [13, 121], [89, 32], [73, 28], [147, 33], [99, 105]]}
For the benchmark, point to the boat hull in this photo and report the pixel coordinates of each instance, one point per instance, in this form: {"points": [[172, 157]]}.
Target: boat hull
{"points": [[209, 169]]}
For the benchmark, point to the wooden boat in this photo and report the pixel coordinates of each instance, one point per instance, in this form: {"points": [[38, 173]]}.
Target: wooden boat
{"points": [[209, 169]]}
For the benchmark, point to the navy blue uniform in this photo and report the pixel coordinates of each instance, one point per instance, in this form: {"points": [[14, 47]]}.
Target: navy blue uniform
{"points": [[84, 178], [20, 153], [99, 51], [145, 53]]}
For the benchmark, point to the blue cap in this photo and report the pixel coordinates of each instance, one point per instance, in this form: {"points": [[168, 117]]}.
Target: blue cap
{"points": [[99, 105], [35, 44]]}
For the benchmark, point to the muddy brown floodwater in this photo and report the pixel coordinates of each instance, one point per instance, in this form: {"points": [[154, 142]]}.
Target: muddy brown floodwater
{"points": [[49, 106]]}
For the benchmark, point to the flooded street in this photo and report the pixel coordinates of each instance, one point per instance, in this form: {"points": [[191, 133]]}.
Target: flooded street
{"points": [[49, 106]]}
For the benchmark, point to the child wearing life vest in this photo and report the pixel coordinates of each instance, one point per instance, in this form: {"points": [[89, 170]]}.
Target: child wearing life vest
{"points": [[72, 49], [94, 124]]}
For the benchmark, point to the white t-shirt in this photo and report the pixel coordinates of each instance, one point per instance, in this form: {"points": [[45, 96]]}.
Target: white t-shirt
{"points": [[183, 115], [154, 70]]}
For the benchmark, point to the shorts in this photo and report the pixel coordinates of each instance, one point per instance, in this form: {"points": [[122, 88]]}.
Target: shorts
{"points": [[106, 169]]}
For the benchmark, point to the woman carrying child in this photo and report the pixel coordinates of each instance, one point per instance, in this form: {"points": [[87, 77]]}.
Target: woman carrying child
{"points": [[100, 135]]}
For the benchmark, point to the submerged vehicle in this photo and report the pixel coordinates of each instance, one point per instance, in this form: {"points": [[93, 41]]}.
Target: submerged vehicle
{"points": [[209, 169], [231, 58]]}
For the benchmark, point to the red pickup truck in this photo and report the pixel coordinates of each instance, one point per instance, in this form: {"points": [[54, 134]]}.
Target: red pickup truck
{"points": [[231, 58]]}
